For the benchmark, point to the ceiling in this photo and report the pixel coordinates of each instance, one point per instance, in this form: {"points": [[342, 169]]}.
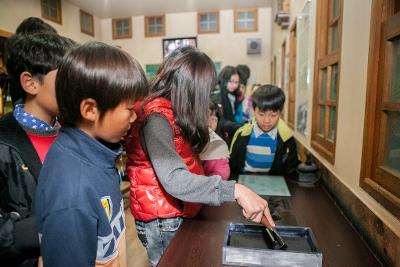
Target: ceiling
{"points": [[127, 8]]}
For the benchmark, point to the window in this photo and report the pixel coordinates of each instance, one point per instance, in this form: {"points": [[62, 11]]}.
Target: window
{"points": [[380, 170], [292, 75], [208, 22], [5, 98], [245, 20], [51, 10], [122, 28], [326, 77], [154, 26], [87, 23]]}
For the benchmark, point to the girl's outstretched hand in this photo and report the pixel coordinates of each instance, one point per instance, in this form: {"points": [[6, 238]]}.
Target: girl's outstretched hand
{"points": [[254, 206]]}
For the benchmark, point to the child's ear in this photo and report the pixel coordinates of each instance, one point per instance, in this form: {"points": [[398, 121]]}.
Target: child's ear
{"points": [[89, 110], [28, 83]]}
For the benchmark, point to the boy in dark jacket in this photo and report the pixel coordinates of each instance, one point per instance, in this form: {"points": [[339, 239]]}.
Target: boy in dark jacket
{"points": [[25, 137], [80, 212], [267, 144]]}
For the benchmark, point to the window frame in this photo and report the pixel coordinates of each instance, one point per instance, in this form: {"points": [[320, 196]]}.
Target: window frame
{"points": [[236, 16], [84, 13], [114, 28], [380, 182], [3, 92], [292, 74], [57, 19], [283, 64], [326, 60], [199, 14], [283, 72], [147, 33]]}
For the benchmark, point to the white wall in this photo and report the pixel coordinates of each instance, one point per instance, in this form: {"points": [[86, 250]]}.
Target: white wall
{"points": [[12, 13], [226, 47], [351, 109], [352, 97]]}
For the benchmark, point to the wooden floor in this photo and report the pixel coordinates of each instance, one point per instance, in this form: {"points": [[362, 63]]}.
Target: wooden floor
{"points": [[136, 253]]}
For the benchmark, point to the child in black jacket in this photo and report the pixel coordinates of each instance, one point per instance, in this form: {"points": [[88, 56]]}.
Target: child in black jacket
{"points": [[267, 144], [25, 137]]}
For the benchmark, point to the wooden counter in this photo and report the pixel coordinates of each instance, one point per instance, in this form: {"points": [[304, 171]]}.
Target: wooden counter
{"points": [[199, 241]]}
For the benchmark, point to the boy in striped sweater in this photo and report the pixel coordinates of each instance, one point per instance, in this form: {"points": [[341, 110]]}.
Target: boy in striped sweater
{"points": [[266, 145]]}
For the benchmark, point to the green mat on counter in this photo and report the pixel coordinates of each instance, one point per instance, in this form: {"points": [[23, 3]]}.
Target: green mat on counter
{"points": [[265, 185]]}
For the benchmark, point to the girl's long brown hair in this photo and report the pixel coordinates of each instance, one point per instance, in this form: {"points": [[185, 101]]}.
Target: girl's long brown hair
{"points": [[186, 78]]}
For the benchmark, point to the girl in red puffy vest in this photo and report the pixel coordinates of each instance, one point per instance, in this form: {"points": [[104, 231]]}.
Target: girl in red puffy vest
{"points": [[166, 175]]}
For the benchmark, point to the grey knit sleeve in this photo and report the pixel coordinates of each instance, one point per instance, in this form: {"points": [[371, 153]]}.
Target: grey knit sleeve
{"points": [[177, 180]]}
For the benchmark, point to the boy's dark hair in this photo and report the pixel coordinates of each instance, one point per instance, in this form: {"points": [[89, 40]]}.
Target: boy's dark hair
{"points": [[101, 72], [37, 54], [244, 73], [214, 108], [33, 25], [186, 78], [268, 97]]}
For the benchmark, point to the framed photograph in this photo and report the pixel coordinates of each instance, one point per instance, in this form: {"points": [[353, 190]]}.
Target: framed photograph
{"points": [[169, 45]]}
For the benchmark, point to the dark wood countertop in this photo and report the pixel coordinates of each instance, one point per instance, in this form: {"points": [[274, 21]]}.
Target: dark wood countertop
{"points": [[199, 241]]}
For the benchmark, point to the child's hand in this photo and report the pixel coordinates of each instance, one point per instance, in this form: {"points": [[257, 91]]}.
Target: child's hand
{"points": [[254, 207]]}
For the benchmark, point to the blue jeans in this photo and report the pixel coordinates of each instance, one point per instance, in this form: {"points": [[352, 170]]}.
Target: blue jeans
{"points": [[156, 235]]}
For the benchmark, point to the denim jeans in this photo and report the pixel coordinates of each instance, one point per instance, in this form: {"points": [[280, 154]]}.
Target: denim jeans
{"points": [[156, 235]]}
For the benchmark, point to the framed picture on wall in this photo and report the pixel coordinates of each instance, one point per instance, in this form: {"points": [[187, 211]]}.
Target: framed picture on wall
{"points": [[169, 45]]}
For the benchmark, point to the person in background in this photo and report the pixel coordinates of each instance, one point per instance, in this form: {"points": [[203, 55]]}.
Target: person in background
{"points": [[80, 211], [227, 96], [215, 157], [267, 145], [241, 115], [247, 103], [25, 137], [167, 178], [244, 75]]}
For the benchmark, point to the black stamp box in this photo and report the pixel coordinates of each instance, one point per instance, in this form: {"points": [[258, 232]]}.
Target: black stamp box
{"points": [[246, 245]]}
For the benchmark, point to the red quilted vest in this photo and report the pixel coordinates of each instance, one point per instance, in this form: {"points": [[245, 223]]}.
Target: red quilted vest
{"points": [[149, 200]]}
